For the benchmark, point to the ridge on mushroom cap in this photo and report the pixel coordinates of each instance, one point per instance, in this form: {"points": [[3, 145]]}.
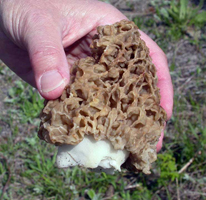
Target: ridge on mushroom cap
{"points": [[112, 95]]}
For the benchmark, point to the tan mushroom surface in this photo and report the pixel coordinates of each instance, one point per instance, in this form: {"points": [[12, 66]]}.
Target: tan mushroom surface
{"points": [[113, 97]]}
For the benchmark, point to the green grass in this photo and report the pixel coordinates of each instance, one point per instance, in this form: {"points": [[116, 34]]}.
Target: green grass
{"points": [[39, 176], [179, 16], [27, 165], [27, 101]]}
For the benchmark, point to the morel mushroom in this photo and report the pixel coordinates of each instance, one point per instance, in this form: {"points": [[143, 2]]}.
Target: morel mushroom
{"points": [[110, 112]]}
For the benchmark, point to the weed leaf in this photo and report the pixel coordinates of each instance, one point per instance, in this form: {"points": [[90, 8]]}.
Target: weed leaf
{"points": [[201, 17], [183, 9]]}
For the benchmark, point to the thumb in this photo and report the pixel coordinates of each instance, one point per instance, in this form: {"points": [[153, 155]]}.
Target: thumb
{"points": [[48, 59]]}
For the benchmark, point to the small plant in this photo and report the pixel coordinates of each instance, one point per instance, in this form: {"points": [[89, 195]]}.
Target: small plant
{"points": [[168, 168], [180, 15], [92, 195]]}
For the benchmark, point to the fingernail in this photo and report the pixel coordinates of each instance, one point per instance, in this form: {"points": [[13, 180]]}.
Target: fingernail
{"points": [[50, 81]]}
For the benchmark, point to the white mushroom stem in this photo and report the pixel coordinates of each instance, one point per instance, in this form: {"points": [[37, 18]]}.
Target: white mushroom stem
{"points": [[97, 155]]}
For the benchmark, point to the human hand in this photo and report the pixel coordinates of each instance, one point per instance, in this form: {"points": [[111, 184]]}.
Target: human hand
{"points": [[35, 34]]}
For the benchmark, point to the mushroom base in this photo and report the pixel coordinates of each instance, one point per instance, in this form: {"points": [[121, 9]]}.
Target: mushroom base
{"points": [[96, 155]]}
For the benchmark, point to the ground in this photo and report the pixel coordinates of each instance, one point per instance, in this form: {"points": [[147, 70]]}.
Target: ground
{"points": [[27, 168]]}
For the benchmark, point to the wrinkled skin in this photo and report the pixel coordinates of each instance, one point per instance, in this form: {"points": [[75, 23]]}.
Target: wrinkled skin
{"points": [[35, 34]]}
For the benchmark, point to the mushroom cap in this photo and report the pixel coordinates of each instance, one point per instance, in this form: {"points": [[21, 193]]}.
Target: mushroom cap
{"points": [[113, 96]]}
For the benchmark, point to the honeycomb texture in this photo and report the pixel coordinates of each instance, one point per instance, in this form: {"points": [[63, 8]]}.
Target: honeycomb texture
{"points": [[112, 95]]}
